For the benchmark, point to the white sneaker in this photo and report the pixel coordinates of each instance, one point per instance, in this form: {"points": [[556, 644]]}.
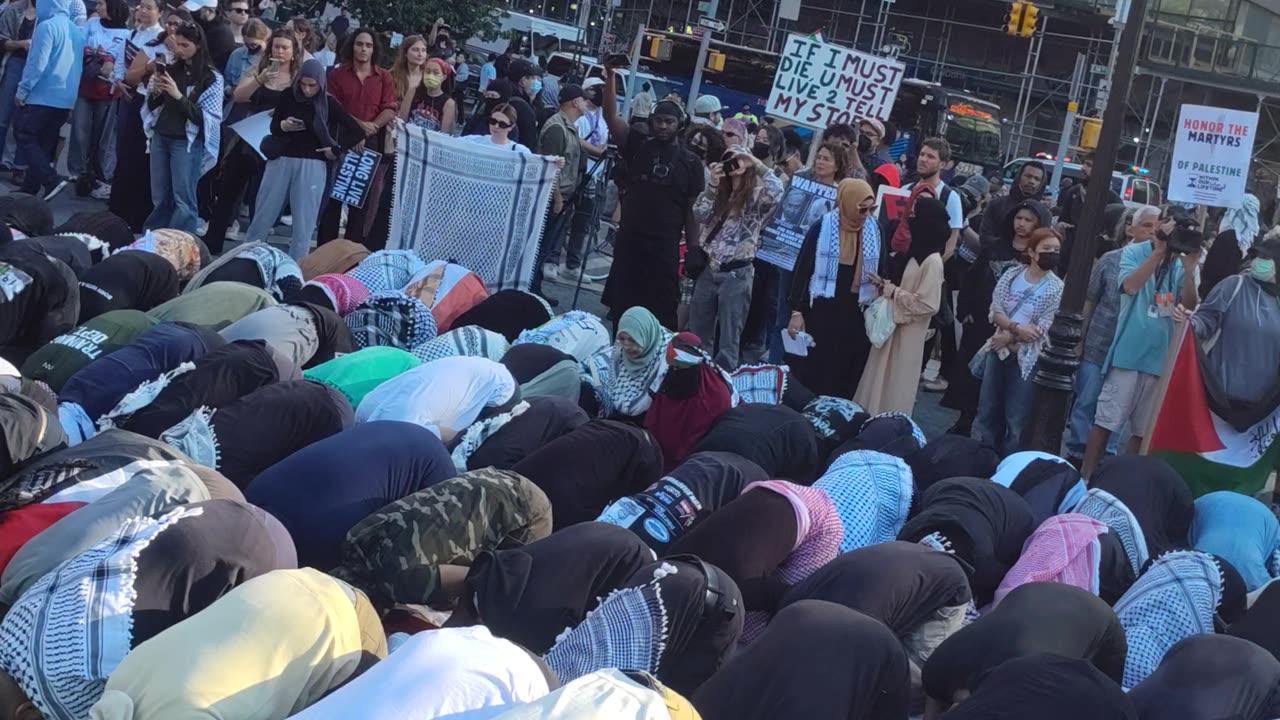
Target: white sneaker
{"points": [[550, 271], [101, 192], [286, 220]]}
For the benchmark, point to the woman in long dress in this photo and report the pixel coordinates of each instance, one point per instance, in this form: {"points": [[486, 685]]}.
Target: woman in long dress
{"points": [[833, 272], [892, 373]]}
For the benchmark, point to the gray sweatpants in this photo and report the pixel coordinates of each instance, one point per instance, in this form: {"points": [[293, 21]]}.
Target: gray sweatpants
{"points": [[721, 299], [301, 181]]}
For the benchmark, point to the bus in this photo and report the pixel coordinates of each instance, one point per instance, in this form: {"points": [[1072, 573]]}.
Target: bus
{"points": [[971, 126]]}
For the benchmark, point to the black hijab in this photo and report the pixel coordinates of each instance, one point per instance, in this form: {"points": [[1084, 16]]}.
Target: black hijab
{"points": [[1046, 687], [128, 280], [900, 584], [1211, 676], [1034, 618], [815, 660], [985, 524], [219, 379], [30, 430], [547, 419], [949, 456], [775, 437], [529, 595], [1261, 624], [506, 312], [748, 538], [39, 300], [335, 337], [1156, 495], [194, 562], [275, 421], [585, 469]]}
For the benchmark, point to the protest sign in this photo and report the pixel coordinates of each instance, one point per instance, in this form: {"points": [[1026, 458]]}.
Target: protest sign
{"points": [[804, 204], [818, 84], [1211, 153], [355, 175]]}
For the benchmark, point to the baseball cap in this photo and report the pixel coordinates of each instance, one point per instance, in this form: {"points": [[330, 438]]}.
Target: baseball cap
{"points": [[194, 5], [569, 93], [708, 104]]}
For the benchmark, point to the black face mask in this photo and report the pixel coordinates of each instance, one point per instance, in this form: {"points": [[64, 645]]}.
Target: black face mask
{"points": [[761, 150], [864, 144], [1048, 261]]}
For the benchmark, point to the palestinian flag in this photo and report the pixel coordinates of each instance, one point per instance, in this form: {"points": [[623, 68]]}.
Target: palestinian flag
{"points": [[1208, 452]]}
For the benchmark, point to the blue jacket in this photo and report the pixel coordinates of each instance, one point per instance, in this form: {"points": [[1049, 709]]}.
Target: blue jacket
{"points": [[52, 75]]}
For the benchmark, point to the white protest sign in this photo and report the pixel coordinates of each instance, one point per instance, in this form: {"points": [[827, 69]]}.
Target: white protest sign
{"points": [[819, 84], [1211, 154]]}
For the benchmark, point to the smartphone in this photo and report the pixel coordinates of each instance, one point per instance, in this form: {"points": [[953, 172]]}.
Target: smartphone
{"points": [[616, 60]]}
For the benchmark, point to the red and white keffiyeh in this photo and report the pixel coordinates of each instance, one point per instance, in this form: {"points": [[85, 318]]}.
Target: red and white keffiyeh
{"points": [[1064, 549]]}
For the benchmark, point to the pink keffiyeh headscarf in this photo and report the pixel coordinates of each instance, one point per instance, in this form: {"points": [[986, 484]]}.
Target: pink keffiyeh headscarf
{"points": [[344, 291], [818, 535], [1064, 549]]}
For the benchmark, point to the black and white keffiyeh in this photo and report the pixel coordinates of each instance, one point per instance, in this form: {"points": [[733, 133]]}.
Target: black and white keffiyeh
{"points": [[66, 634]]}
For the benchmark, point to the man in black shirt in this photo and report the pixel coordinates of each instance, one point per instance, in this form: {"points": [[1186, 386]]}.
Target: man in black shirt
{"points": [[661, 181]]}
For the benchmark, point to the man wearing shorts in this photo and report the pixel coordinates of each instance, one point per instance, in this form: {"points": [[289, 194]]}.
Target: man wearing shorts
{"points": [[1153, 281]]}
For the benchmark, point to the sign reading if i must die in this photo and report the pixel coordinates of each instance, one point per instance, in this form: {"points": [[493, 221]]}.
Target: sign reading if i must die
{"points": [[1212, 150], [819, 84]]}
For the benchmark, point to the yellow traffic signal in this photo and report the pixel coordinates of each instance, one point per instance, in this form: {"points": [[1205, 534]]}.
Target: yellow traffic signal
{"points": [[1013, 21], [1030, 14]]}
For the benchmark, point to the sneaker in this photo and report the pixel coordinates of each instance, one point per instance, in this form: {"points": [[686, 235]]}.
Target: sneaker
{"points": [[286, 220], [938, 385], [550, 271], [102, 192], [53, 188]]}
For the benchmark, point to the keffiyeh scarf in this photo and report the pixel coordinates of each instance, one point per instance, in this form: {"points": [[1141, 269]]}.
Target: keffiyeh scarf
{"points": [[1174, 599], [344, 292], [390, 318], [628, 631], [826, 262], [872, 495], [1064, 549], [195, 436], [483, 208], [629, 391], [467, 341], [67, 633], [575, 333], [1108, 510], [387, 270]]}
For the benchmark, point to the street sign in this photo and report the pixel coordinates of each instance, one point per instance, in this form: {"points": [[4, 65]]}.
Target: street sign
{"points": [[712, 24]]}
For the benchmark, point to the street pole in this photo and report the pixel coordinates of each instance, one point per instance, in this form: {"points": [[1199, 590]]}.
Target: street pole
{"points": [[696, 85], [1055, 373]]}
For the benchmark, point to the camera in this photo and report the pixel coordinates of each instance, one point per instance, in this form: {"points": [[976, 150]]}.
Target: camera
{"points": [[1185, 238]]}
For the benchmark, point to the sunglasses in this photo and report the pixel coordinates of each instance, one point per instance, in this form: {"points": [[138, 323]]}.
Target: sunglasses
{"points": [[500, 123]]}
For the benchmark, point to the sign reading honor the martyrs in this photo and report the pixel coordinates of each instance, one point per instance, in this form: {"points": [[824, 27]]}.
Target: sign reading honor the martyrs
{"points": [[355, 175], [1211, 153], [819, 84], [804, 204]]}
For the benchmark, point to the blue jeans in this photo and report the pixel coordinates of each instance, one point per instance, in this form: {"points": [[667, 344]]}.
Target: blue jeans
{"points": [[1083, 407], [1003, 404], [8, 97], [175, 170], [36, 132]]}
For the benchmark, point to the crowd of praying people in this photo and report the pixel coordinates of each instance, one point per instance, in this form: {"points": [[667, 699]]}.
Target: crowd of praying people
{"points": [[362, 485]]}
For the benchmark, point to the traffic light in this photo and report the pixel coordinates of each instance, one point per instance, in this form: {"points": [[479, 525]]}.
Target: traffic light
{"points": [[1030, 14], [1013, 21]]}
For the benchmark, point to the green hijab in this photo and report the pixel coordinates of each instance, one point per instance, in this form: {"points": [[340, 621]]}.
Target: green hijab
{"points": [[357, 374], [215, 305], [645, 329]]}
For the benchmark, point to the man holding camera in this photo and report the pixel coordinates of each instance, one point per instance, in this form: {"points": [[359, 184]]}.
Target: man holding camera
{"points": [[1156, 277]]}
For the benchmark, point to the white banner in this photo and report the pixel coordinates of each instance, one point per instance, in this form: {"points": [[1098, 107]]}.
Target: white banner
{"points": [[1211, 154], [819, 84]]}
